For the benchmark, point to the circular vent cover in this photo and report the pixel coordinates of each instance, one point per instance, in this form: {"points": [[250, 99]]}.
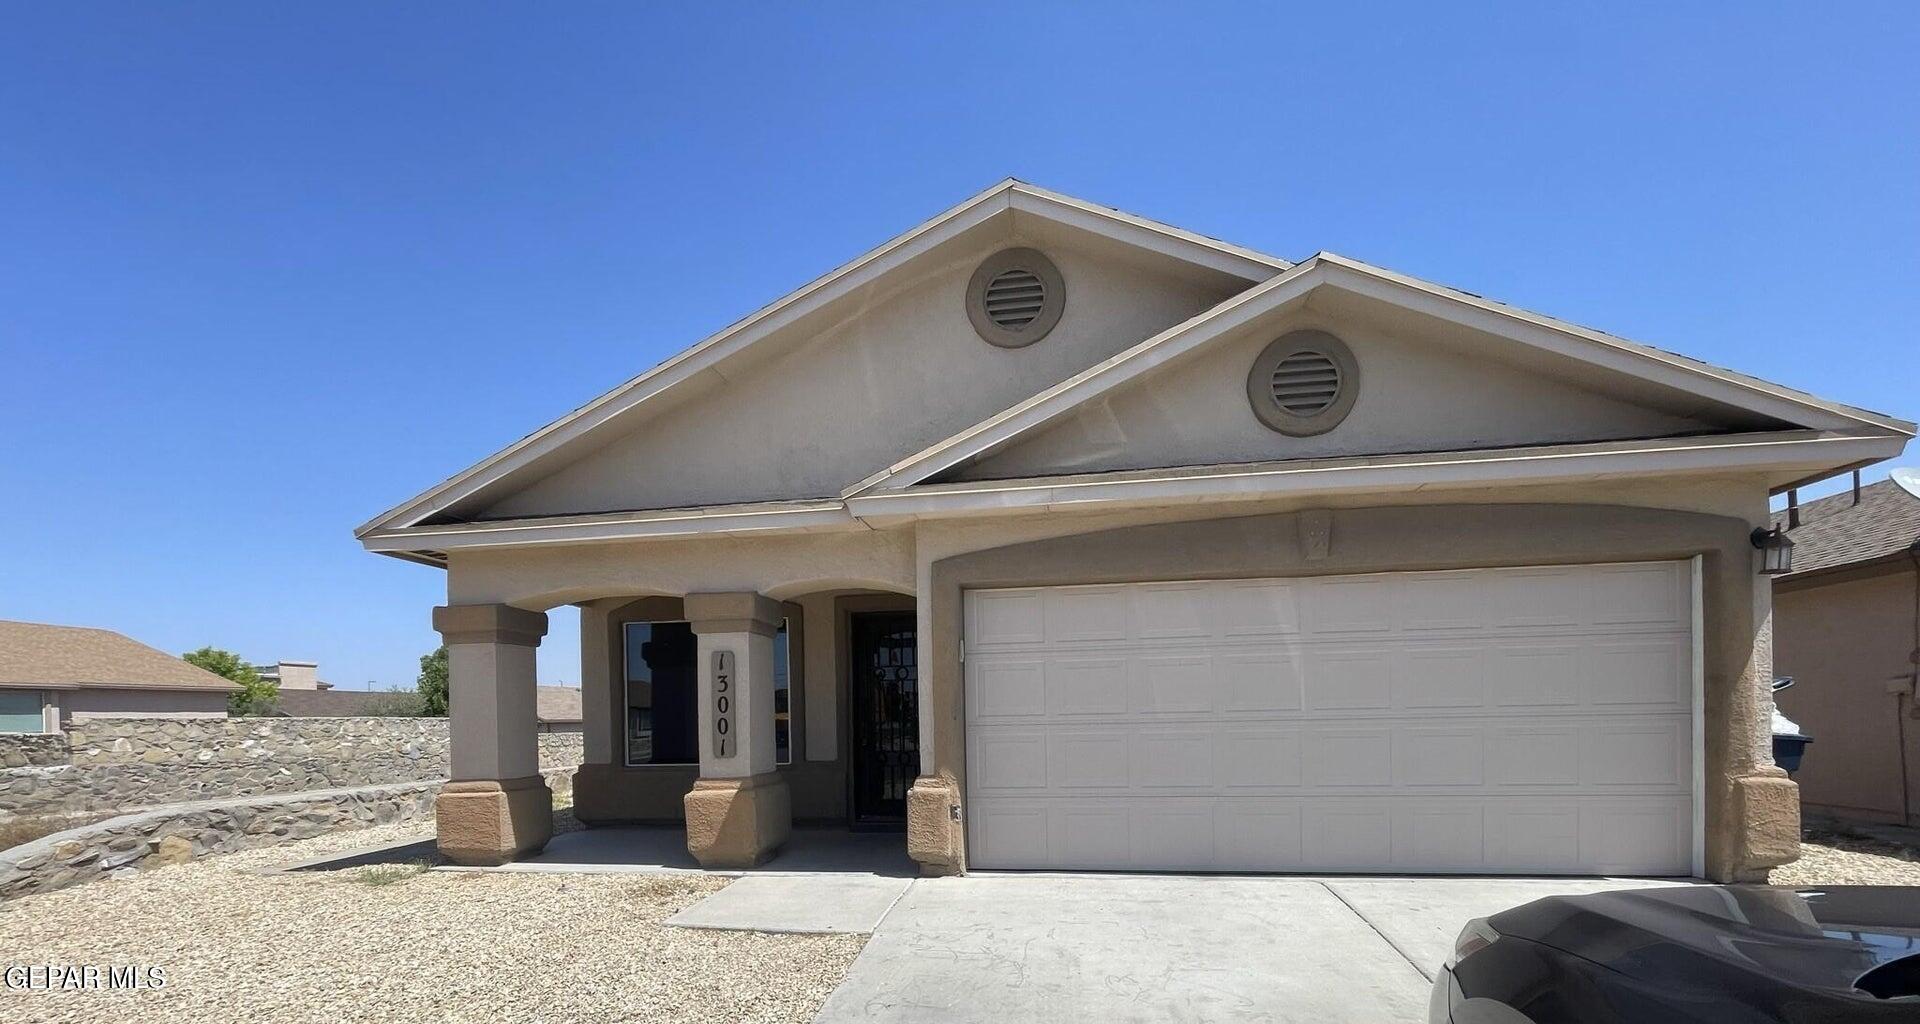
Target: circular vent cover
{"points": [[1306, 383], [1015, 298], [1303, 384]]}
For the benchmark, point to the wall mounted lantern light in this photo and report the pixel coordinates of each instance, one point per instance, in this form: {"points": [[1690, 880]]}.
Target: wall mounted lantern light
{"points": [[1776, 551]]}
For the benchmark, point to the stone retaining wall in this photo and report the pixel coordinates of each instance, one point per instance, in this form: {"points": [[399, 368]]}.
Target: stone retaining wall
{"points": [[182, 832], [106, 765]]}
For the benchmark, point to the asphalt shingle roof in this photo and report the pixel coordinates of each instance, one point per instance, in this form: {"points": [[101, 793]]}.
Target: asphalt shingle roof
{"points": [[33, 653], [1833, 531]]}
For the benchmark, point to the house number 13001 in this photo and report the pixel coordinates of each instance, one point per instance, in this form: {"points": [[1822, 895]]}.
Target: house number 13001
{"points": [[723, 703]]}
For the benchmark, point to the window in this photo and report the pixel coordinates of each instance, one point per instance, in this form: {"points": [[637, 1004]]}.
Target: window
{"points": [[782, 699], [663, 694], [20, 711]]}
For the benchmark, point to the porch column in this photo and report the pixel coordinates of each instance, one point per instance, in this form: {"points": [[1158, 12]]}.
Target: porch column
{"points": [[739, 811], [496, 807]]}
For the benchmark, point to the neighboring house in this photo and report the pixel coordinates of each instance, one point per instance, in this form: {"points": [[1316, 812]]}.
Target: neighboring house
{"points": [[1055, 537], [51, 676], [1846, 627], [293, 675], [558, 708]]}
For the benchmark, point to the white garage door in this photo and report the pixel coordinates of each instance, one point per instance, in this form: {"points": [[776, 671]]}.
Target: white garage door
{"points": [[1499, 720]]}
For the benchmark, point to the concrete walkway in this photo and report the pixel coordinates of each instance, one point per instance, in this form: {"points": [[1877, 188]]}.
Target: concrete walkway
{"points": [[811, 904], [1120, 948]]}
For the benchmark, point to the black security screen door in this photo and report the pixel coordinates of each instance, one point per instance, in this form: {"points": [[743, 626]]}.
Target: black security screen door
{"points": [[886, 716]]}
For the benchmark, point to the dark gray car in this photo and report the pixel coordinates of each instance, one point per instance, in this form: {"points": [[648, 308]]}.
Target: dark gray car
{"points": [[1708, 953]]}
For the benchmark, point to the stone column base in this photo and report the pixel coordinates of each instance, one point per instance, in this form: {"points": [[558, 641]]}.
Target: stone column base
{"points": [[1766, 811], [489, 821], [738, 823], [935, 834]]}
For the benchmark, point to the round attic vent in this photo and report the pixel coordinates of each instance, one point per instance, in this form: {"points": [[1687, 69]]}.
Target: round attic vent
{"points": [[1015, 298], [1303, 384]]}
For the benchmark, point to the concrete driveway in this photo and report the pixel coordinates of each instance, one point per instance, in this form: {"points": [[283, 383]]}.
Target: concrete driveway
{"points": [[1114, 948]]}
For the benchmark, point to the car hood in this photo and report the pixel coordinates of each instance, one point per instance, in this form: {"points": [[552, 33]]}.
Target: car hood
{"points": [[1689, 936]]}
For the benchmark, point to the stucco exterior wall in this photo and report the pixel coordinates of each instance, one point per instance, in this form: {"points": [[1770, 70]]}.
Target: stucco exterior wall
{"points": [[802, 424], [1414, 396], [1846, 644]]}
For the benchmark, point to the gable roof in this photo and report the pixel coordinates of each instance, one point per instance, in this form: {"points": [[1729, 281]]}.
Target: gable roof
{"points": [[64, 657], [1546, 333], [1835, 532], [1009, 195]]}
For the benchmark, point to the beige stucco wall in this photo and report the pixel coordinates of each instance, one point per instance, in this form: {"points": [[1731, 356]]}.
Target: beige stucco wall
{"points": [[1846, 645], [1417, 393], [804, 423]]}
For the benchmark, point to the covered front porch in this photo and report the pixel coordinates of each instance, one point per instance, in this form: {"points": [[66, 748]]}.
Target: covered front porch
{"points": [[717, 723]]}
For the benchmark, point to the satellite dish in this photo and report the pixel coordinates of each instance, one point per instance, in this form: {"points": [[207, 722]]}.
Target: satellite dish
{"points": [[1908, 479]]}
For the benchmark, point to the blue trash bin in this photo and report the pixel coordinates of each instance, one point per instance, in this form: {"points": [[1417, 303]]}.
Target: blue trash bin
{"points": [[1788, 748]]}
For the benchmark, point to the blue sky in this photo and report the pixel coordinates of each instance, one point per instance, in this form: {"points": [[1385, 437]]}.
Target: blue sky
{"points": [[267, 270]]}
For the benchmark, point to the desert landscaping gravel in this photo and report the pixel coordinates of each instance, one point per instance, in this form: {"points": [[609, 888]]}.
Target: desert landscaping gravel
{"points": [[384, 944], [1827, 859]]}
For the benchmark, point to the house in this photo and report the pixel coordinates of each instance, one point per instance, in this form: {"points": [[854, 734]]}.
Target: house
{"points": [[1846, 627], [293, 675], [1054, 537], [51, 676], [558, 708]]}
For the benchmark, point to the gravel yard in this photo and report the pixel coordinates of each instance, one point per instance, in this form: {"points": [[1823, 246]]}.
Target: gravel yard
{"points": [[1831, 858], [386, 944]]}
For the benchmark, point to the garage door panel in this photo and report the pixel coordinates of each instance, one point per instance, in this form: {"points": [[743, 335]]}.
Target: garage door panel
{"points": [[1087, 686], [1175, 684], [1004, 688], [1638, 753], [1008, 761], [1264, 834], [1003, 619], [1526, 675], [1346, 606], [1641, 670], [1344, 679], [1174, 759], [1485, 720], [1440, 677], [1093, 834], [1267, 678], [1339, 756], [1356, 834], [1646, 595], [1087, 614], [1175, 611], [1439, 756], [1262, 608], [1099, 758], [1259, 758], [1439, 837]]}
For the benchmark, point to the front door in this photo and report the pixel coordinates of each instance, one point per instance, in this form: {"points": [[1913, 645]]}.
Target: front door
{"points": [[886, 718]]}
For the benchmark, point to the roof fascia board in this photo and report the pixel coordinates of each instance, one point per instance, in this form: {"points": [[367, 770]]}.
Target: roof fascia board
{"points": [[812, 517], [1600, 349], [1502, 467], [1238, 261]]}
